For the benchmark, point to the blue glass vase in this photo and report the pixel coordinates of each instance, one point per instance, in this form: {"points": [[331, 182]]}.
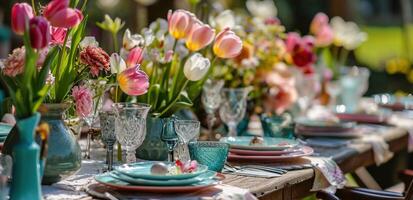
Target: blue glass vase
{"points": [[27, 166], [64, 156], [153, 148]]}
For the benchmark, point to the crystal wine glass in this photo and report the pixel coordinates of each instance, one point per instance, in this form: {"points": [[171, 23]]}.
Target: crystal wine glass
{"points": [[354, 83], [130, 126], [333, 89], [187, 130], [211, 100], [308, 87], [107, 127], [233, 108], [169, 136], [98, 87]]}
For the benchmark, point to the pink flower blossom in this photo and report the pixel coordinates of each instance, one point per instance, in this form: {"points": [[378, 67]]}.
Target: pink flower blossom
{"points": [[20, 12], [135, 57], [61, 15], [227, 44], [39, 29], [58, 35], [320, 20], [300, 50], [14, 64], [83, 100], [96, 58], [133, 81]]}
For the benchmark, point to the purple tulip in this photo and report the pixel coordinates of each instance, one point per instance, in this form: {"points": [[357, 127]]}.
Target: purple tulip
{"points": [[39, 32]]}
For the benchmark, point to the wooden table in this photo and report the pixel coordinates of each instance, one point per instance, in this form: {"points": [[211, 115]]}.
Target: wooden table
{"points": [[297, 184]]}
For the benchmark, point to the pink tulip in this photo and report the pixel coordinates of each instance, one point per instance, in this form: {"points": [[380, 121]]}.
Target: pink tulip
{"points": [[20, 12], [320, 20], [58, 35], [135, 57], [227, 44], [324, 37], [291, 41], [180, 23], [201, 35], [300, 50], [61, 15], [39, 29], [133, 81], [83, 100]]}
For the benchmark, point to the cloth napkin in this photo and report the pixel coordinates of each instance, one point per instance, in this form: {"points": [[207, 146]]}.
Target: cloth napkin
{"points": [[404, 120], [380, 148], [328, 176]]}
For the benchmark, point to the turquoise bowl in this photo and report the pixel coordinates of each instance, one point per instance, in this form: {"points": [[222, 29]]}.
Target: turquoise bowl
{"points": [[209, 153]]}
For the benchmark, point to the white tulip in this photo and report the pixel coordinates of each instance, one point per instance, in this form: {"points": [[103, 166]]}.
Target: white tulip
{"points": [[196, 67], [347, 34], [88, 41], [131, 41], [223, 20], [262, 9], [117, 64]]}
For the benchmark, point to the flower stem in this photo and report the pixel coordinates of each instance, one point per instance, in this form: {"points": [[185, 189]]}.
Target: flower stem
{"points": [[175, 99], [115, 42], [34, 7]]}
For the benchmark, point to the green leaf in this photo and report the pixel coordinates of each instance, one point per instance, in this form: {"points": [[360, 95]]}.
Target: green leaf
{"points": [[42, 76], [183, 102]]}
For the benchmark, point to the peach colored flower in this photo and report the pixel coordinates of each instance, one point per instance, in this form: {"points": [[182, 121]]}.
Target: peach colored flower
{"points": [[227, 44], [14, 64], [201, 35], [83, 100], [180, 23], [319, 21], [96, 58]]}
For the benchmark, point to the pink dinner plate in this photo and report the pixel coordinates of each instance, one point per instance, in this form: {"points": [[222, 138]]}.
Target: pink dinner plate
{"points": [[264, 153], [306, 151]]}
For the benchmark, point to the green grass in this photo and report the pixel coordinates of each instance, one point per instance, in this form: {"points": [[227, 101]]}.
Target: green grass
{"points": [[383, 43]]}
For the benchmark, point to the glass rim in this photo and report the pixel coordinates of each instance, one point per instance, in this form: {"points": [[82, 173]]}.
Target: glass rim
{"points": [[188, 121], [237, 89], [129, 105]]}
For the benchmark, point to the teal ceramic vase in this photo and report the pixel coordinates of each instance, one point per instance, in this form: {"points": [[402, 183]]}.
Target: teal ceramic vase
{"points": [[152, 147], [26, 164], [64, 154]]}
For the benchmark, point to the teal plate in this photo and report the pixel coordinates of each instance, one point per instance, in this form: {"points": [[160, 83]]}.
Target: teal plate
{"points": [[171, 182], [143, 170], [270, 143], [108, 180], [5, 129], [324, 124]]}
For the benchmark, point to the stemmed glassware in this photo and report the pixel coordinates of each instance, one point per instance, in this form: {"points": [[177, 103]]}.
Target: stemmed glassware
{"points": [[169, 136], [354, 83], [211, 100], [107, 127], [233, 108], [187, 131], [308, 87], [98, 87], [130, 126], [333, 89]]}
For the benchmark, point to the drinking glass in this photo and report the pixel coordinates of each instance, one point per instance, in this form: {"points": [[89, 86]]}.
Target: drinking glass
{"points": [[233, 108], [5, 173], [211, 100], [308, 87], [107, 129], [354, 83], [187, 130], [130, 126], [333, 89], [209, 153], [169, 136], [97, 87]]}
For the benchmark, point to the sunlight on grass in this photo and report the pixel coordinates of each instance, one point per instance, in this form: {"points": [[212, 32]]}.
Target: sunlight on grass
{"points": [[383, 43]]}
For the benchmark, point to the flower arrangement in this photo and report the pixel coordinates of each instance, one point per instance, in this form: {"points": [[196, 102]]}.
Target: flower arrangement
{"points": [[167, 65]]}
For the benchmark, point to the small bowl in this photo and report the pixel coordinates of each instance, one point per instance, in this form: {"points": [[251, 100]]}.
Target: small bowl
{"points": [[210, 153]]}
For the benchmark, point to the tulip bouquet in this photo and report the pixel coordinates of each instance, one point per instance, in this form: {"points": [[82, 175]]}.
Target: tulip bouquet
{"points": [[26, 71], [168, 63]]}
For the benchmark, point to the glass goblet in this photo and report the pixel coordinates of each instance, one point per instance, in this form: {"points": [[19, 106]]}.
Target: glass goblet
{"points": [[233, 108], [169, 136], [130, 126], [308, 87], [187, 130], [211, 100], [97, 87], [107, 129]]}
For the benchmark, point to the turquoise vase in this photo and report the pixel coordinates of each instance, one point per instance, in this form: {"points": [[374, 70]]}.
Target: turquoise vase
{"points": [[26, 163], [152, 147], [64, 156]]}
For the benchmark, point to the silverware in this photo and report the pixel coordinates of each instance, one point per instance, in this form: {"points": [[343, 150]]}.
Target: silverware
{"points": [[237, 170]]}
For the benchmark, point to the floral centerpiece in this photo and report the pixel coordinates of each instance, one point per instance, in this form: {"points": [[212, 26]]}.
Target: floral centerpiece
{"points": [[168, 63]]}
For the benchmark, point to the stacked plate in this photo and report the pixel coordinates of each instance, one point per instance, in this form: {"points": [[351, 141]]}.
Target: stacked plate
{"points": [[4, 131], [308, 127], [138, 177], [269, 150]]}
